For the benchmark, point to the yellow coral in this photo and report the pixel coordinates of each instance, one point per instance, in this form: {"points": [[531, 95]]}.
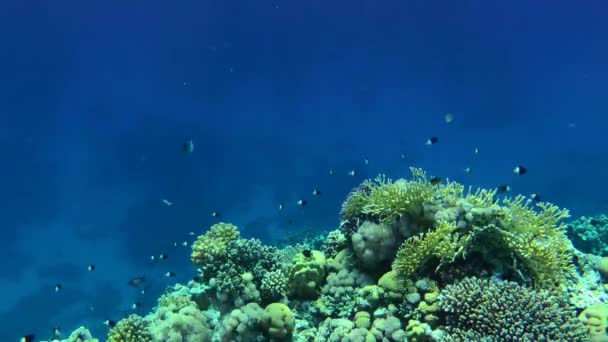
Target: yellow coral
{"points": [[538, 238], [212, 244], [130, 329], [443, 242], [387, 200], [595, 319]]}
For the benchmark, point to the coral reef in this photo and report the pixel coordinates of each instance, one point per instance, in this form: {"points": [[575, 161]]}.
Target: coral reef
{"points": [[590, 234], [307, 274], [131, 329], [412, 260], [179, 324], [595, 318], [502, 310], [278, 320]]}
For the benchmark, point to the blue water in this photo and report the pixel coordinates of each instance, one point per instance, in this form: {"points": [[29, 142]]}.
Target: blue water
{"points": [[97, 98]]}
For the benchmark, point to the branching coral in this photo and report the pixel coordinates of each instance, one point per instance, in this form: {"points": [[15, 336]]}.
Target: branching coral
{"points": [[213, 244], [539, 240], [130, 329], [383, 200], [505, 311], [442, 242]]}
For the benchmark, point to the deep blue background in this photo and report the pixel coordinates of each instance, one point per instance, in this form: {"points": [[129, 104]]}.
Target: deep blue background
{"points": [[97, 97]]}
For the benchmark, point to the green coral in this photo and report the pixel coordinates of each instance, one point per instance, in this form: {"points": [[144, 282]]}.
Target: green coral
{"points": [[131, 329], [278, 321], [385, 200], [213, 244], [441, 242], [539, 239], [306, 275], [462, 221]]}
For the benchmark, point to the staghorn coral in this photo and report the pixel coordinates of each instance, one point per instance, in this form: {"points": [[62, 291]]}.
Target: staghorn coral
{"points": [[382, 200], [539, 240], [497, 310], [131, 329], [441, 243]]}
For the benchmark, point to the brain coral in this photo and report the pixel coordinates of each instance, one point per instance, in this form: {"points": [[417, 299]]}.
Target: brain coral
{"points": [[506, 311]]}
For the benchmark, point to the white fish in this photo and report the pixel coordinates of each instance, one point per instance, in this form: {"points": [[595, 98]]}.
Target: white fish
{"points": [[167, 202]]}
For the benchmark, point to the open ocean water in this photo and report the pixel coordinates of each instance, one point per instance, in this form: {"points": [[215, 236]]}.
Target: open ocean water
{"points": [[98, 98]]}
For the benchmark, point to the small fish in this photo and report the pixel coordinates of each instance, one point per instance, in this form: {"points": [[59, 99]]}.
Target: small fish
{"points": [[351, 173], [449, 117], [520, 170], [57, 288], [290, 221], [110, 323], [163, 257], [316, 192], [170, 274], [152, 258], [302, 203], [280, 206], [476, 151], [91, 268], [467, 170], [436, 180], [143, 292], [215, 214], [185, 243], [503, 189], [167, 202], [331, 172], [56, 332], [28, 338], [175, 244], [137, 281], [188, 146], [366, 161], [136, 305], [432, 141], [191, 234], [198, 279], [536, 197], [402, 156], [307, 253]]}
